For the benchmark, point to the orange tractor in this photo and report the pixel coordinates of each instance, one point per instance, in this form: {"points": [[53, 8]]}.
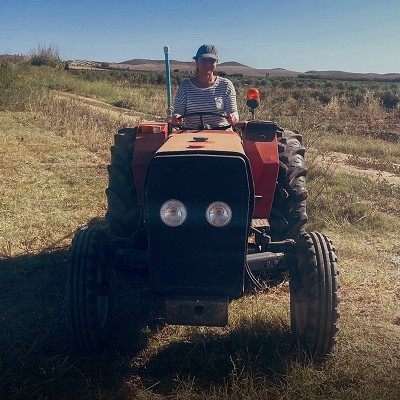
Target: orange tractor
{"points": [[205, 210]]}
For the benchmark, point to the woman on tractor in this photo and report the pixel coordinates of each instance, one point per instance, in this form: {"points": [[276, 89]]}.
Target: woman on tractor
{"points": [[205, 93]]}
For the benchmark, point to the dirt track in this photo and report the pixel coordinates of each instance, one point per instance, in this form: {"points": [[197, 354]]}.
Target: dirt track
{"points": [[337, 162], [108, 108]]}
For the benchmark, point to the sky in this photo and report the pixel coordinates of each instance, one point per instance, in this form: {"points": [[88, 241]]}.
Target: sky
{"points": [[298, 35]]}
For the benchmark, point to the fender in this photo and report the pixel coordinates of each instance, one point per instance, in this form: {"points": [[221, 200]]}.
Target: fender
{"points": [[261, 147]]}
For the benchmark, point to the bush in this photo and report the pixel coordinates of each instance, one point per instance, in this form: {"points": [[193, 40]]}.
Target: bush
{"points": [[356, 98], [46, 56], [389, 99], [324, 98], [19, 88]]}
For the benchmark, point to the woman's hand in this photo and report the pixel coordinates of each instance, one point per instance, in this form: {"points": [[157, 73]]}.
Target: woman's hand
{"points": [[232, 119], [177, 120]]}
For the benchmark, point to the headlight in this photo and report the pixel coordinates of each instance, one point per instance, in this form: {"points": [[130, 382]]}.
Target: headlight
{"points": [[173, 213], [218, 214]]}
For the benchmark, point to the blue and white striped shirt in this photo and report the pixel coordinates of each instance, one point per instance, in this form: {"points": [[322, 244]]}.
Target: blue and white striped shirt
{"points": [[218, 98]]}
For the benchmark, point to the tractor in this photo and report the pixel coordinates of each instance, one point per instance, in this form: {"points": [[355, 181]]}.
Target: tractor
{"points": [[205, 210]]}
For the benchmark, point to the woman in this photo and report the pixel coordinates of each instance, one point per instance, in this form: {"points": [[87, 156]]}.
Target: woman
{"points": [[206, 92]]}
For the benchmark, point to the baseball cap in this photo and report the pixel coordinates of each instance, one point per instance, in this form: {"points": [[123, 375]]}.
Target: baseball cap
{"points": [[206, 51]]}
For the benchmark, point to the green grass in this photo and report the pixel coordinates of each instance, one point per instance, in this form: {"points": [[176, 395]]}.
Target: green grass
{"points": [[337, 199], [364, 146]]}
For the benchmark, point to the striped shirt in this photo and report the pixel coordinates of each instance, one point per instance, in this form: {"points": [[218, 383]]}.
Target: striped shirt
{"points": [[218, 98]]}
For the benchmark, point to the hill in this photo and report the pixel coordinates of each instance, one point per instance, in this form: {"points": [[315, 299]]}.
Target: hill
{"points": [[12, 58], [229, 68], [342, 75], [236, 68]]}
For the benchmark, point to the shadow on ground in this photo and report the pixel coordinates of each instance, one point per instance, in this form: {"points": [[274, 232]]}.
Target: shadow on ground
{"points": [[37, 353], [213, 360], [38, 357]]}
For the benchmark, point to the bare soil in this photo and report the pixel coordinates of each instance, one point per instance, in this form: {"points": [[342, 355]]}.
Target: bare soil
{"points": [[339, 163]]}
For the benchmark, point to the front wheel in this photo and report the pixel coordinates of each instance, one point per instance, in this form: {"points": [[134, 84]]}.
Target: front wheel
{"points": [[315, 296], [89, 290]]}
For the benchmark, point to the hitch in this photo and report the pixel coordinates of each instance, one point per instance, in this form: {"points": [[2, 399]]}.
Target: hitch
{"points": [[197, 311]]}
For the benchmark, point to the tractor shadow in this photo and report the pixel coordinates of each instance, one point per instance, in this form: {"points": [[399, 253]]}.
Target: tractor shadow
{"points": [[216, 359], [38, 355], [37, 351]]}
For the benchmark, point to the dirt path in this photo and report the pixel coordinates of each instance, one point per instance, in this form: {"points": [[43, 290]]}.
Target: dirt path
{"points": [[105, 107], [337, 161]]}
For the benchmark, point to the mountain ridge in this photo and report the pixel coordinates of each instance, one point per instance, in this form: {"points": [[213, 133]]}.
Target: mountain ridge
{"points": [[236, 68], [227, 68]]}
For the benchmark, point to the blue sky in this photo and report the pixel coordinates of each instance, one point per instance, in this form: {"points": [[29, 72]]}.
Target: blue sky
{"points": [[299, 35]]}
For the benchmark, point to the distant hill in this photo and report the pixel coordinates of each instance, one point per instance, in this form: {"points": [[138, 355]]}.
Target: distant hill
{"points": [[139, 64], [229, 68], [233, 64], [235, 68], [353, 76], [12, 58]]}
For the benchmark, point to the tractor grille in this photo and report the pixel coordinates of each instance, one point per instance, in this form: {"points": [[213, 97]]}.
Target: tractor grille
{"points": [[197, 258]]}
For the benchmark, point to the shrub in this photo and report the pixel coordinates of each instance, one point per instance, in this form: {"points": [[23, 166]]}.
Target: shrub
{"points": [[46, 56], [19, 88], [324, 98], [356, 98], [389, 99]]}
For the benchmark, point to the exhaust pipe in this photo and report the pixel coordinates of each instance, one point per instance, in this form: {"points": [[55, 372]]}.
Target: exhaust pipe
{"points": [[168, 78]]}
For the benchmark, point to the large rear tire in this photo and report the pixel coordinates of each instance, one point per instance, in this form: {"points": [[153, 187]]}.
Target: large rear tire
{"points": [[315, 296], [89, 290], [288, 214], [123, 213]]}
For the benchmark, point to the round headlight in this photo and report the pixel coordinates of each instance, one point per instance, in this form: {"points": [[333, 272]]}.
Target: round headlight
{"points": [[218, 214], [173, 213]]}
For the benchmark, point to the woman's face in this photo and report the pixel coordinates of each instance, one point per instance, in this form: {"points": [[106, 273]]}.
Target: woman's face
{"points": [[206, 65]]}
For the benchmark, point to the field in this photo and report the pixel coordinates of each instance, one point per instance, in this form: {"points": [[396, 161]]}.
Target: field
{"points": [[56, 128]]}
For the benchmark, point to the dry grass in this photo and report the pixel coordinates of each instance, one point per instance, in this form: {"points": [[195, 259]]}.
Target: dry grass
{"points": [[53, 178], [46, 182], [251, 358]]}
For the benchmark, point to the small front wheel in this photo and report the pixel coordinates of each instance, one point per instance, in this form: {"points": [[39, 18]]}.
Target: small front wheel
{"points": [[89, 290], [315, 296]]}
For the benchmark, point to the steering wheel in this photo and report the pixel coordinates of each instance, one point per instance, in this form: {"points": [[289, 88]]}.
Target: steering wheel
{"points": [[204, 126]]}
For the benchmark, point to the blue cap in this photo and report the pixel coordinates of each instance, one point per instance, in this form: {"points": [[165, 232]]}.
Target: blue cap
{"points": [[206, 51]]}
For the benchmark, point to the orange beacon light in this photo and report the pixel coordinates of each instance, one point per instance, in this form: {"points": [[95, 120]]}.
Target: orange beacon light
{"points": [[253, 100]]}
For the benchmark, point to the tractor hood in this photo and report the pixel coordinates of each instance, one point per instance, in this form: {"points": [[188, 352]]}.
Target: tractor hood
{"points": [[203, 142], [199, 169]]}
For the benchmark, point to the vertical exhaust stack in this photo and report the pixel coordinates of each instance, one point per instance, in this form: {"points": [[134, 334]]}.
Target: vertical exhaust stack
{"points": [[168, 78]]}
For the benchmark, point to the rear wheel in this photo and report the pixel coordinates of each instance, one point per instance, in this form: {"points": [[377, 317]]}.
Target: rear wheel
{"points": [[315, 296], [288, 214], [89, 290], [124, 212]]}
